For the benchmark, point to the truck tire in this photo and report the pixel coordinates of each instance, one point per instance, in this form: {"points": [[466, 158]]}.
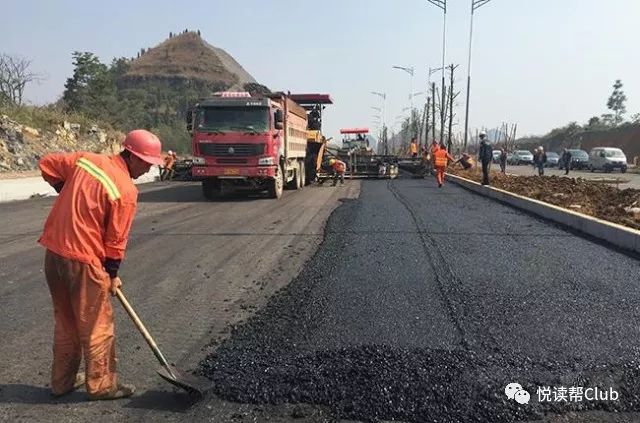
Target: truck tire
{"points": [[310, 168], [276, 185], [210, 190], [303, 174]]}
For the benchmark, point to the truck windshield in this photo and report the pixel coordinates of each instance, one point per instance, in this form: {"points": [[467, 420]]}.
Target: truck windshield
{"points": [[233, 119]]}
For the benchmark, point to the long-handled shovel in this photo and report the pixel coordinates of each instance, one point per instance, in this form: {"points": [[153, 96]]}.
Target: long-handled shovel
{"points": [[191, 384]]}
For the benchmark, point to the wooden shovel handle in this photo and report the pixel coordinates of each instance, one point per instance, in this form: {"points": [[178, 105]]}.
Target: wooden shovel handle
{"points": [[143, 330]]}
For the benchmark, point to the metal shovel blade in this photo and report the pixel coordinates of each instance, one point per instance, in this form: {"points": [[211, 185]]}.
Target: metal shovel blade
{"points": [[192, 384]]}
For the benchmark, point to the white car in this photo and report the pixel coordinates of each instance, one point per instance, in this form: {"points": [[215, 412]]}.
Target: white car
{"points": [[607, 159]]}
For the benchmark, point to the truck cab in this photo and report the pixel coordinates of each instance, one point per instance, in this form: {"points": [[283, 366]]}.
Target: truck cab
{"points": [[247, 143]]}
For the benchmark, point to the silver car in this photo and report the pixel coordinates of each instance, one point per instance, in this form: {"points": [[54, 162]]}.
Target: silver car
{"points": [[607, 159]]}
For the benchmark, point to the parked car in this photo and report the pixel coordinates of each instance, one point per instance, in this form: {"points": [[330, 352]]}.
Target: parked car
{"points": [[552, 159], [496, 156], [579, 160], [607, 159], [521, 157]]}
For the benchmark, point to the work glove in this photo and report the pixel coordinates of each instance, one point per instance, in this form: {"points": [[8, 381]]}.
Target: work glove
{"points": [[116, 284]]}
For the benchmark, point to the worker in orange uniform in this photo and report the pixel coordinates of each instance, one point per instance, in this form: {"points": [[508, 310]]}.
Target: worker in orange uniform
{"points": [[441, 161], [85, 236], [169, 162], [339, 167], [413, 148]]}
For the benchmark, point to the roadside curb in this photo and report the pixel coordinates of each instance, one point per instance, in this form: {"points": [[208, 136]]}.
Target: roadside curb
{"points": [[618, 235], [24, 188]]}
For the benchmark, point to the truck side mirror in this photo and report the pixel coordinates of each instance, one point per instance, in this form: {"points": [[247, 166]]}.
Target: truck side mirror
{"points": [[189, 120], [278, 118]]}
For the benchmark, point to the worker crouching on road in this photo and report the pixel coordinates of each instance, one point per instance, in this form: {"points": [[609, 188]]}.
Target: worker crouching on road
{"points": [[86, 235], [339, 167], [441, 162]]}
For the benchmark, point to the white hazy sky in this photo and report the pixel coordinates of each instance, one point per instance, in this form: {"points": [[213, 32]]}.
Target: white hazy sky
{"points": [[537, 63]]}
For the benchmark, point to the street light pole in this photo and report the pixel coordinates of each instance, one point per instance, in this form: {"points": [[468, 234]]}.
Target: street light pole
{"points": [[475, 4], [410, 71], [383, 96], [442, 4], [431, 72]]}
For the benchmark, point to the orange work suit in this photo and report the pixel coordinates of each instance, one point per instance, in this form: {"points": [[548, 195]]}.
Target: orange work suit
{"points": [[440, 161], [87, 227], [413, 149], [339, 167]]}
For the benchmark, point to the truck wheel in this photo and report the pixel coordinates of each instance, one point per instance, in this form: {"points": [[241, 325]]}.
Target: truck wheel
{"points": [[276, 185], [210, 190], [623, 169], [294, 183], [303, 174]]}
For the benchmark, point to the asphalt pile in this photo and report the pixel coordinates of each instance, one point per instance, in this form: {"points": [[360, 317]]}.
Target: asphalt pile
{"points": [[592, 198]]}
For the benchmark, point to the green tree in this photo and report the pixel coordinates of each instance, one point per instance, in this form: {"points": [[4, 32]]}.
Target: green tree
{"points": [[616, 103], [91, 90]]}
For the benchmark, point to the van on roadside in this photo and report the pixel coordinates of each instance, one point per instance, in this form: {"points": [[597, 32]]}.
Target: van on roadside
{"points": [[607, 159]]}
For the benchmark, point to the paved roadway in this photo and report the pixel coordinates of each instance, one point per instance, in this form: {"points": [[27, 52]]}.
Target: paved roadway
{"points": [[631, 180], [193, 269], [420, 304], [423, 304]]}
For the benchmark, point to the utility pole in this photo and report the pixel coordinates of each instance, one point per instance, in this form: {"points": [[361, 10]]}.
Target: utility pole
{"points": [[433, 110], [452, 97]]}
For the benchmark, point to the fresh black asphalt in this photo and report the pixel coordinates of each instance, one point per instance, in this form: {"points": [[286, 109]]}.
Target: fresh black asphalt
{"points": [[422, 304]]}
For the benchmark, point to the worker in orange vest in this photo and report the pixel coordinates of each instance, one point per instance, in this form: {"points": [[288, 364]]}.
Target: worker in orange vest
{"points": [[413, 148], [339, 167], [441, 162], [85, 236], [169, 162]]}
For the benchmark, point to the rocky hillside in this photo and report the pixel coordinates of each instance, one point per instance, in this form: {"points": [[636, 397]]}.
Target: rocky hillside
{"points": [[187, 56], [22, 146]]}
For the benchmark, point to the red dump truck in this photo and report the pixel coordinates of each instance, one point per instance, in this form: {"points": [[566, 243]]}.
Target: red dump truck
{"points": [[250, 143]]}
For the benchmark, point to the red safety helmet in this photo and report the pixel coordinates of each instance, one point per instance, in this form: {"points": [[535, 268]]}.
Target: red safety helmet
{"points": [[144, 145]]}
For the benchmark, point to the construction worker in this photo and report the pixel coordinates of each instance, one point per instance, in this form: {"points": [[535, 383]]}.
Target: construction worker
{"points": [[566, 160], [485, 156], [434, 147], [169, 162], [413, 148], [539, 160], [441, 162], [85, 236], [426, 161], [339, 167], [503, 160]]}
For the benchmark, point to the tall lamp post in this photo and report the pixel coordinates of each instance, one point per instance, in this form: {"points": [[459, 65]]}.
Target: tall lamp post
{"points": [[442, 4], [475, 4], [410, 72], [383, 97]]}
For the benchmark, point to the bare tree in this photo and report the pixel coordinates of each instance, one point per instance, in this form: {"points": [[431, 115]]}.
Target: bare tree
{"points": [[14, 77], [450, 100]]}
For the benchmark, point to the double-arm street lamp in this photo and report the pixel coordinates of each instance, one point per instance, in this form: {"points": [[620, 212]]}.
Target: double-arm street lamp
{"points": [[475, 4], [442, 4]]}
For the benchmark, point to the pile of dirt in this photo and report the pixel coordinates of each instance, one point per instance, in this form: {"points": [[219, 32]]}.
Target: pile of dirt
{"points": [[595, 199], [21, 147]]}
